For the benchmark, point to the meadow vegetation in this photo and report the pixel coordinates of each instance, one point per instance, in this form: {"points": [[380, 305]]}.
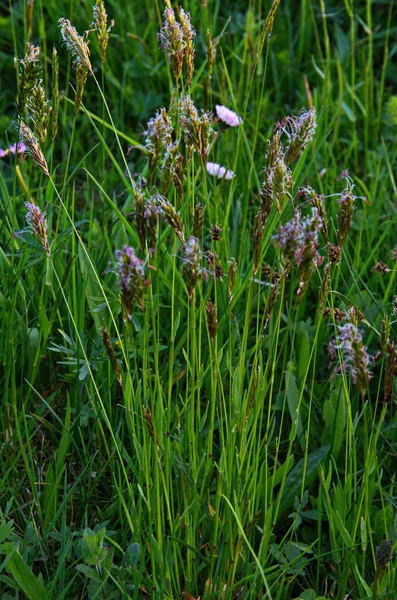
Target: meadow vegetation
{"points": [[198, 306]]}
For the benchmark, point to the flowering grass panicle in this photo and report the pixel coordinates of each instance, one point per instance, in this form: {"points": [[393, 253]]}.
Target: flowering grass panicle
{"points": [[100, 24], [197, 130], [40, 110], [232, 277], [172, 41], [299, 130], [212, 318], [80, 52], [32, 147], [130, 271], [146, 220], [277, 183], [191, 264], [188, 35], [169, 168], [356, 360], [157, 136], [346, 204], [28, 75], [37, 223], [171, 216], [55, 94], [198, 221]]}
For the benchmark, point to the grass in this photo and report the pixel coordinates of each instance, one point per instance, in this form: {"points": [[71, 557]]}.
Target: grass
{"points": [[224, 426]]}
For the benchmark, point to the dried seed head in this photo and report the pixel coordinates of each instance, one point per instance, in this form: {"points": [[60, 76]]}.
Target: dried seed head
{"points": [[334, 253], [216, 233], [38, 225], [383, 554], [100, 25], [32, 147], [212, 319], [130, 270], [381, 267]]}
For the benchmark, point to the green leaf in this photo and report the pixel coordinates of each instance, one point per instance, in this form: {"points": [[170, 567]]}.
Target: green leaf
{"points": [[23, 575], [292, 394], [293, 483], [334, 415], [6, 528], [157, 554]]}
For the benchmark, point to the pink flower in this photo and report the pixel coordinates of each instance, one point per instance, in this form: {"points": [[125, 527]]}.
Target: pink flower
{"points": [[216, 170], [228, 116]]}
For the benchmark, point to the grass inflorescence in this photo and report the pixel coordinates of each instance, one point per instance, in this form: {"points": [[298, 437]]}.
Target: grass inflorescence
{"points": [[198, 301]]}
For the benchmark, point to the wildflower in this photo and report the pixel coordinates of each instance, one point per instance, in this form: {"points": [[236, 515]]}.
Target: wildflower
{"points": [[196, 128], [216, 170], [38, 225], [355, 357], [19, 148], [228, 116], [191, 263], [299, 130], [32, 147], [130, 270], [101, 27]]}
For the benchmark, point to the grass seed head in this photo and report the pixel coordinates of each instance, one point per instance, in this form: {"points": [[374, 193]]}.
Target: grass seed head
{"points": [[28, 76], [37, 223], [100, 24], [27, 137], [130, 270]]}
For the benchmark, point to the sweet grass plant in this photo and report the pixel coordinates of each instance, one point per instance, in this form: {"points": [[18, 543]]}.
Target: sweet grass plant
{"points": [[198, 302]]}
